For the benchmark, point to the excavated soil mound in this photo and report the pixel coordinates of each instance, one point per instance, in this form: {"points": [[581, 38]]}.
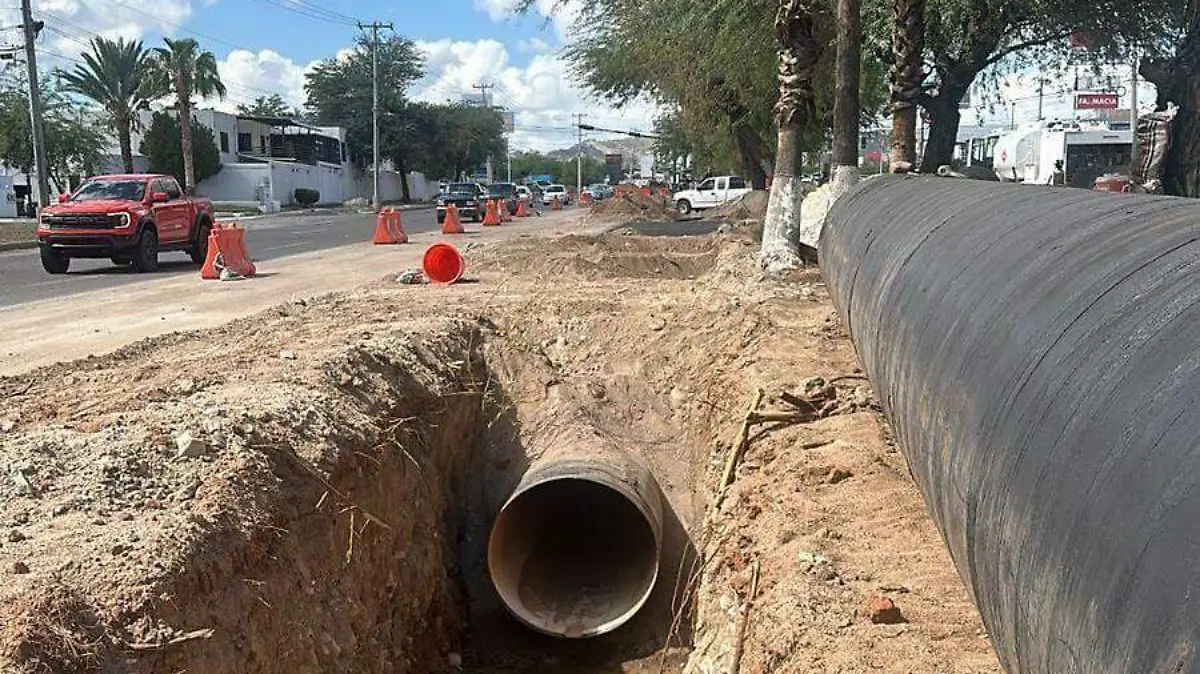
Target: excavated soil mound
{"points": [[751, 206], [633, 206], [311, 489]]}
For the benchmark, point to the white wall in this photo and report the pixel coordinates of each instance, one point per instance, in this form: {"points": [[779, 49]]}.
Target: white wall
{"points": [[237, 183]]}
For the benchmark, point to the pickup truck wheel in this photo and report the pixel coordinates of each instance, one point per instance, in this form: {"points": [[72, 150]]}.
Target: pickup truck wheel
{"points": [[145, 256], [683, 206], [54, 262], [199, 250]]}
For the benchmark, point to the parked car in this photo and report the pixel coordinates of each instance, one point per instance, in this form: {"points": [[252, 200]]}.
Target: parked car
{"points": [[559, 191], [523, 192], [598, 191], [506, 192], [710, 193], [127, 218], [468, 197]]}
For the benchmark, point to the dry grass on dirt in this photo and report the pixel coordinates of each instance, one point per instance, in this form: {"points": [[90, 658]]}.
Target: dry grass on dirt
{"points": [[342, 457]]}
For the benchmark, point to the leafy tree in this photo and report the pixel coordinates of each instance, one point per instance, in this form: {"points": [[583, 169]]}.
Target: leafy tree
{"points": [[114, 75], [163, 147], [1169, 36], [338, 92], [266, 106], [74, 142], [525, 164], [185, 70]]}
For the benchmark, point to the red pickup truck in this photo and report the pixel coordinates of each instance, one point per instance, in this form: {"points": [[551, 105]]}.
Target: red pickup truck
{"points": [[128, 218]]}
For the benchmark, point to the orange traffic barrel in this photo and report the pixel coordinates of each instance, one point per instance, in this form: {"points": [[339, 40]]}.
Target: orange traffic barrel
{"points": [[442, 263]]}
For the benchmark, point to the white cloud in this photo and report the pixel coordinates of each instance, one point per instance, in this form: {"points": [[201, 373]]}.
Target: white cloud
{"points": [[71, 23], [563, 14], [248, 75], [542, 93], [534, 46]]}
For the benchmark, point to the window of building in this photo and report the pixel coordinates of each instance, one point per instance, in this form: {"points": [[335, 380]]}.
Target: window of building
{"points": [[224, 142], [245, 143]]}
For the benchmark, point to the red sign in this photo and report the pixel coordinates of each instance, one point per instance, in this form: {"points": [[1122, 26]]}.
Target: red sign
{"points": [[1097, 101]]}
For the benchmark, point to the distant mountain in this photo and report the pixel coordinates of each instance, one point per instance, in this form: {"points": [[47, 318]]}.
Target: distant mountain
{"points": [[631, 149]]}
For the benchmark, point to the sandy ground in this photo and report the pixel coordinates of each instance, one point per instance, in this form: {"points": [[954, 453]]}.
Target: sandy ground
{"points": [[232, 499], [91, 324]]}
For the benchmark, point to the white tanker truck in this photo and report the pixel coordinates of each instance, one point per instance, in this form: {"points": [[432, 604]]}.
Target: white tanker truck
{"points": [[1070, 153]]}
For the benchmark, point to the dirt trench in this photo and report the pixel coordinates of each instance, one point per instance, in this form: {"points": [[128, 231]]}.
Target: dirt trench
{"points": [[311, 489]]}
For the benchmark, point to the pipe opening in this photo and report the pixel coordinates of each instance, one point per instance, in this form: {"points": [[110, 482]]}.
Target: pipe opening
{"points": [[572, 557]]}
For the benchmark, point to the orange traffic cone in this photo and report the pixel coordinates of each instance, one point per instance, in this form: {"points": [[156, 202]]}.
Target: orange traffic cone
{"points": [[389, 229], [585, 198], [505, 216], [493, 216], [523, 209], [452, 224], [556, 205]]}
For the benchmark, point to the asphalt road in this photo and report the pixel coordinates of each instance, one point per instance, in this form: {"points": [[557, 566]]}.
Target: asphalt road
{"points": [[22, 278]]}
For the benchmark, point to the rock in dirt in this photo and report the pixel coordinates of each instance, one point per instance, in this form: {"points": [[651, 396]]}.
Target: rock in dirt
{"points": [[7, 425], [20, 568], [882, 611], [287, 354], [188, 447], [658, 324], [16, 536], [454, 659], [839, 474]]}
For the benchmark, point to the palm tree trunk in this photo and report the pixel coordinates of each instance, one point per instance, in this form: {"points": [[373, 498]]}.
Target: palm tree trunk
{"points": [[124, 139], [798, 56], [908, 46], [185, 136], [846, 104]]}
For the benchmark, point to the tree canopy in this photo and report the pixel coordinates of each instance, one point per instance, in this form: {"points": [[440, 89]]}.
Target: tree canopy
{"points": [[268, 106], [163, 147], [75, 140]]}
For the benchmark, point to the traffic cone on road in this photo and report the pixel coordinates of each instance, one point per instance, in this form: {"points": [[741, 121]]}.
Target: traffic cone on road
{"points": [[523, 209], [389, 229], [452, 223], [585, 198], [505, 216], [492, 218], [556, 205]]}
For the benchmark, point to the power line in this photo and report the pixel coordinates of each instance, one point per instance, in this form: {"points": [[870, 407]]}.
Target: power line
{"points": [[314, 13]]}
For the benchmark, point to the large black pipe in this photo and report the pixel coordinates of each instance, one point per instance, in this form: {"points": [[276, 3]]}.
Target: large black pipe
{"points": [[1037, 351]]}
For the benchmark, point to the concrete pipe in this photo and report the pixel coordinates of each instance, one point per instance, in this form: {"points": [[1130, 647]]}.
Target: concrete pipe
{"points": [[1037, 351], [574, 552]]}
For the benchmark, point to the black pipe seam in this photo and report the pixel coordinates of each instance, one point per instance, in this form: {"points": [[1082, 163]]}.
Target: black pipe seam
{"points": [[1037, 351]]}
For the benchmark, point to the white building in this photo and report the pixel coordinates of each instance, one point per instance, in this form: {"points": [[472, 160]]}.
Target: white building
{"points": [[265, 159]]}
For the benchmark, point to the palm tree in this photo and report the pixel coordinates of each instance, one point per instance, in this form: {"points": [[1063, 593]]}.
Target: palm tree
{"points": [[114, 74], [908, 47], [799, 51], [846, 104], [186, 70]]}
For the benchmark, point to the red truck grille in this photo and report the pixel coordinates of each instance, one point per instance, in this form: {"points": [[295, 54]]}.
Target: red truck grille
{"points": [[99, 221]]}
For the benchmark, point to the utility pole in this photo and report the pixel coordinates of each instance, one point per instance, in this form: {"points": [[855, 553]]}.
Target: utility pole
{"points": [[579, 157], [486, 102], [1041, 95], [374, 26], [31, 28]]}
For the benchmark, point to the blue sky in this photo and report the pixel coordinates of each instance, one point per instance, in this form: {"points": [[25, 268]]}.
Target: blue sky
{"points": [[265, 46]]}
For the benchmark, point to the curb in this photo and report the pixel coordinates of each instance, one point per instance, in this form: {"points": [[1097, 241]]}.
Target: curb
{"points": [[18, 245]]}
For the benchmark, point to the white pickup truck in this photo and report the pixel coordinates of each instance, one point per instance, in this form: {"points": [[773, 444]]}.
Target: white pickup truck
{"points": [[710, 193]]}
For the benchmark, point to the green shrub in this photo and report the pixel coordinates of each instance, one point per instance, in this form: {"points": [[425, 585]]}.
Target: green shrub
{"points": [[305, 196]]}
